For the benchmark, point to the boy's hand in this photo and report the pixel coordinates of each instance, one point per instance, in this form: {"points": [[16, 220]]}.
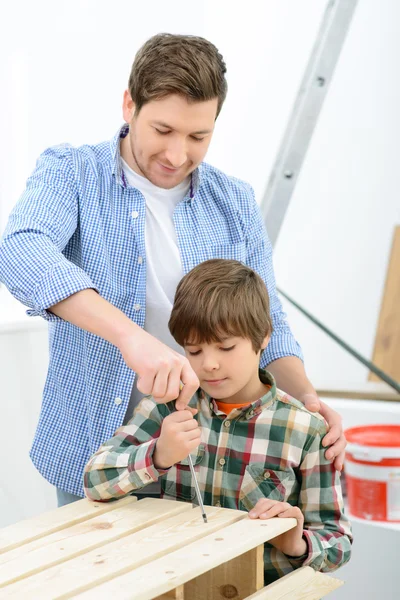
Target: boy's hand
{"points": [[180, 435], [291, 542]]}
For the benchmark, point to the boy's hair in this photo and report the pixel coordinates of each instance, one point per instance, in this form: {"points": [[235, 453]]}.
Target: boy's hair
{"points": [[220, 298], [177, 64]]}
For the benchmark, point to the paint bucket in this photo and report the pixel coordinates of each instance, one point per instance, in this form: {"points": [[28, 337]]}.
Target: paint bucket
{"points": [[372, 470]]}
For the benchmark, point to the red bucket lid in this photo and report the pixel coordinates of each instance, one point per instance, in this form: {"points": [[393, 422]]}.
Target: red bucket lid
{"points": [[374, 435]]}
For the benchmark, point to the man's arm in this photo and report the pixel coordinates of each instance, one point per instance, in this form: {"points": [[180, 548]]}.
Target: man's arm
{"points": [[283, 354], [35, 270], [124, 463], [160, 369]]}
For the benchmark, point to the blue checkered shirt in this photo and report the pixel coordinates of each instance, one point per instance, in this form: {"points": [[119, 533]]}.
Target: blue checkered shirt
{"points": [[79, 225]]}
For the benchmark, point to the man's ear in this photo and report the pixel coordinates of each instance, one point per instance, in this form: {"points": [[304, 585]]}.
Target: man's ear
{"points": [[265, 342], [128, 107]]}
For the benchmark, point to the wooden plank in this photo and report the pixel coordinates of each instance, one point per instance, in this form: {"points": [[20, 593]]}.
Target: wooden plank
{"points": [[54, 520], [386, 353], [368, 390], [83, 537], [302, 584], [190, 561], [236, 578], [177, 594], [82, 572]]}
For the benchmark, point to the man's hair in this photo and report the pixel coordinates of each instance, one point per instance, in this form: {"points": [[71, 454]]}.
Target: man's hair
{"points": [[220, 298], [186, 65]]}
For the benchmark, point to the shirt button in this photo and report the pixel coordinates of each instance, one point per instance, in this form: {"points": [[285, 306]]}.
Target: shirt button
{"points": [[227, 424], [140, 260], [221, 461], [147, 476], [135, 214], [267, 474], [217, 504], [211, 406], [118, 401], [137, 307]]}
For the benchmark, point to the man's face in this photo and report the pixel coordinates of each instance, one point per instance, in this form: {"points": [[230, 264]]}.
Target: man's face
{"points": [[227, 370], [168, 139]]}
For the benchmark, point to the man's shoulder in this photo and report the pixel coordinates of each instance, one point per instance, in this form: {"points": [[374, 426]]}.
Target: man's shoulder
{"points": [[287, 409], [63, 154], [211, 176]]}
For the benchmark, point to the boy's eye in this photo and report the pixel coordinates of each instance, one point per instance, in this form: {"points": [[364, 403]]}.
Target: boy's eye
{"points": [[196, 139], [227, 349], [194, 352]]}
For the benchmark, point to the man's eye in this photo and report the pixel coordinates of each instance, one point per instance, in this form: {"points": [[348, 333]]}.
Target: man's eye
{"points": [[227, 349], [196, 139], [161, 132]]}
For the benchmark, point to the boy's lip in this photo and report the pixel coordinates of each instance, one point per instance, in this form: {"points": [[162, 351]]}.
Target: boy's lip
{"points": [[214, 381]]}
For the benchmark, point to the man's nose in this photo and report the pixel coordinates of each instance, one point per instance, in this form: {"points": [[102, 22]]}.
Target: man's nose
{"points": [[176, 153]]}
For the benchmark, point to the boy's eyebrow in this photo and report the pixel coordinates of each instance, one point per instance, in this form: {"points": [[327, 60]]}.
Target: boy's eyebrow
{"points": [[218, 341], [162, 124]]}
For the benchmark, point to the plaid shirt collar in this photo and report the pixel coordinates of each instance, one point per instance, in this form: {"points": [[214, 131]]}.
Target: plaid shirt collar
{"points": [[247, 412]]}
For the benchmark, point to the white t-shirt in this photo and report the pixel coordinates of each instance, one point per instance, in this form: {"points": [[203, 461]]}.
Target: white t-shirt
{"points": [[163, 263]]}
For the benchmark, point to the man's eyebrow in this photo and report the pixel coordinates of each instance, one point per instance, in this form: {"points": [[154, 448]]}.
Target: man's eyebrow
{"points": [[202, 132]]}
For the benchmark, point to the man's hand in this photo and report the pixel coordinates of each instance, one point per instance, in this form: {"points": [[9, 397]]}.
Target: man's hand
{"points": [[334, 439], [180, 435], [160, 370], [291, 542], [291, 377]]}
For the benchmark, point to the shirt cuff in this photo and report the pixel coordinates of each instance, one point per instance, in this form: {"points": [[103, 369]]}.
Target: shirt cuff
{"points": [[298, 561], [61, 281], [280, 346], [316, 551], [141, 466]]}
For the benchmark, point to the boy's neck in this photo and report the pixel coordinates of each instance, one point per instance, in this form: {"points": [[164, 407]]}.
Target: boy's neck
{"points": [[253, 391]]}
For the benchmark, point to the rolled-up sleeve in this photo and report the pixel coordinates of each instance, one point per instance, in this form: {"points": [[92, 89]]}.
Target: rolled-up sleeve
{"points": [[32, 264], [124, 463]]}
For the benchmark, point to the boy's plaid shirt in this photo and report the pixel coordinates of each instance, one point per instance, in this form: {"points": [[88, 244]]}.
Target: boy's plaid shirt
{"points": [[268, 449]]}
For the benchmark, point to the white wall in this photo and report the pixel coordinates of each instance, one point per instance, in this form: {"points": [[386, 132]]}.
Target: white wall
{"points": [[334, 246]]}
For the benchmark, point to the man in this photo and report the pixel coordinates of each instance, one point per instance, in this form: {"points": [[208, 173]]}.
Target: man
{"points": [[102, 235]]}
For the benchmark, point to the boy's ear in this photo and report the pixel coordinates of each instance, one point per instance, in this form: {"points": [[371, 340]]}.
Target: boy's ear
{"points": [[265, 342]]}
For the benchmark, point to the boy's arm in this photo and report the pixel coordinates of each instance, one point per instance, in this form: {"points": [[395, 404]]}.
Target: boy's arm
{"points": [[124, 463], [326, 529]]}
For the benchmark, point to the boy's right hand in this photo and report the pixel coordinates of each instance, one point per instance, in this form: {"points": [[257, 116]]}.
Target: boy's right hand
{"points": [[180, 435]]}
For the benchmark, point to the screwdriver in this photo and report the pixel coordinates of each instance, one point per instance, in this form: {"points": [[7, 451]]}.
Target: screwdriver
{"points": [[194, 478], [196, 485]]}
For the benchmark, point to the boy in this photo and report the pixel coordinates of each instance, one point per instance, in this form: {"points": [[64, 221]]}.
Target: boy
{"points": [[254, 447]]}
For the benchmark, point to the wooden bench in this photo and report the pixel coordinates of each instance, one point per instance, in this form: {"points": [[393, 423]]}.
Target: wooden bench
{"points": [[147, 549]]}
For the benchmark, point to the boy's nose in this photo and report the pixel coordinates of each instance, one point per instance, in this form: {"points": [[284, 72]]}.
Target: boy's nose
{"points": [[210, 364]]}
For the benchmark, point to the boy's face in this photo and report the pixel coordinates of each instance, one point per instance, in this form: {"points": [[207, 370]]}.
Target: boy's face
{"points": [[228, 370], [168, 138]]}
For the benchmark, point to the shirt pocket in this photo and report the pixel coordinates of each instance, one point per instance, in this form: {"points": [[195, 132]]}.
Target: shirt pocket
{"points": [[260, 482], [178, 482], [228, 251]]}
